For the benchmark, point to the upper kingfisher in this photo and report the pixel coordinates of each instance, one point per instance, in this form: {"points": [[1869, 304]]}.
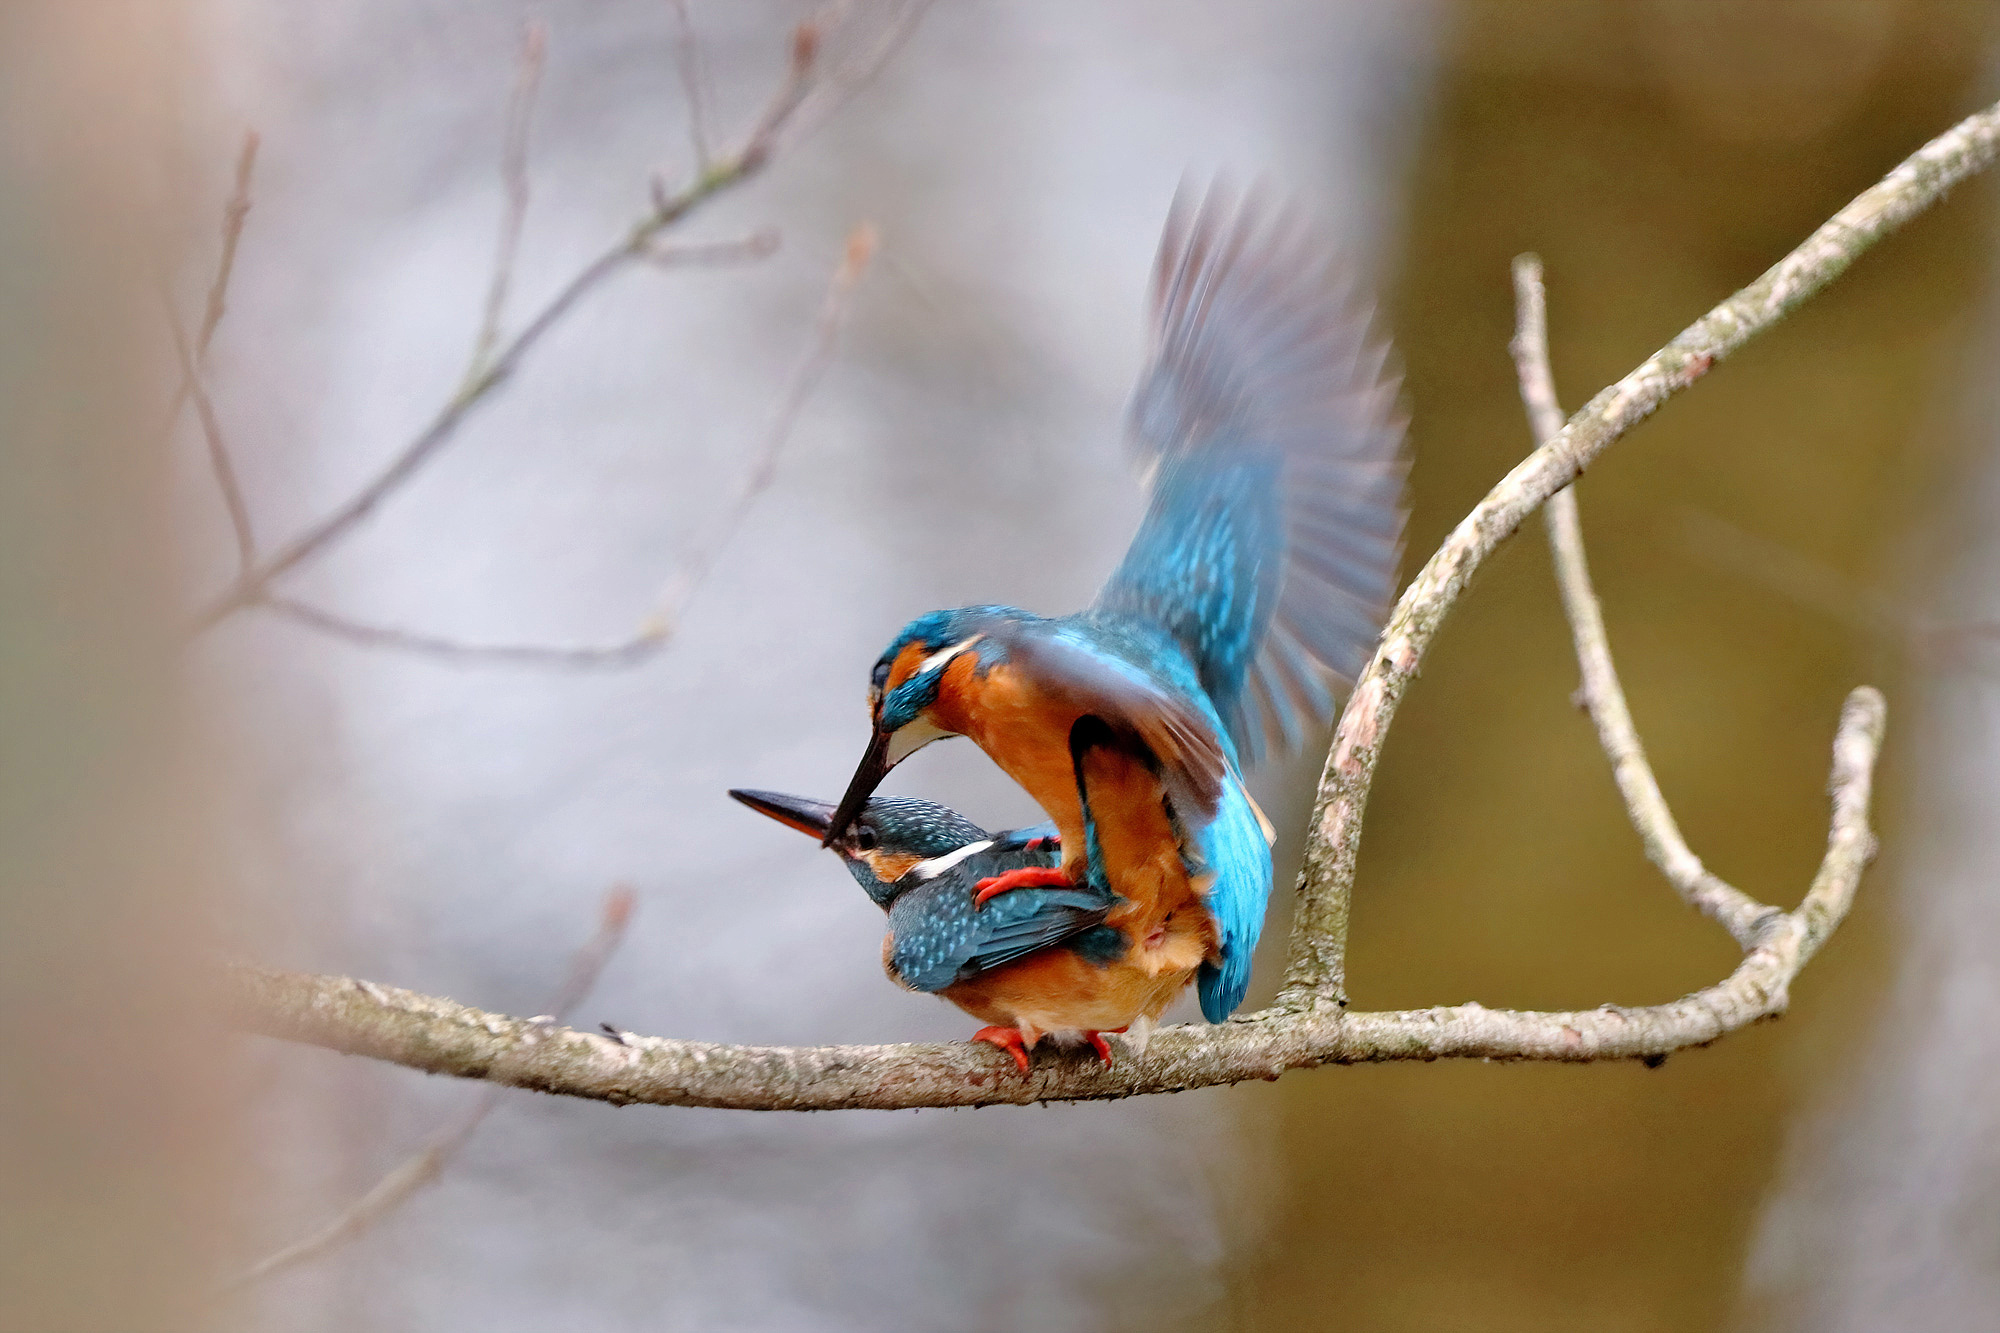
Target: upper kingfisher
{"points": [[1267, 426], [1074, 960]]}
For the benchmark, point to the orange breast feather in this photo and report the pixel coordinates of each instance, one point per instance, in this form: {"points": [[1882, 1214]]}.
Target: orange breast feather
{"points": [[1026, 732], [1139, 849], [1168, 931], [1059, 990]]}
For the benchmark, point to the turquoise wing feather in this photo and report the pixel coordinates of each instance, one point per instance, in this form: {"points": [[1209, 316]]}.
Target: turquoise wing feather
{"points": [[1268, 423]]}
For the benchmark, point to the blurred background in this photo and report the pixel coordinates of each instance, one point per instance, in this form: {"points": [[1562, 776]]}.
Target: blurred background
{"points": [[1821, 513]]}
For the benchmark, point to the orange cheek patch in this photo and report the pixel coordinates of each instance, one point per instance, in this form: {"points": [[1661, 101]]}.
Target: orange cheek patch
{"points": [[907, 659], [891, 866]]}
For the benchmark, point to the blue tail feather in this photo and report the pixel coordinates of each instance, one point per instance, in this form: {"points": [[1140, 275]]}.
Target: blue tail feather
{"points": [[1235, 853]]}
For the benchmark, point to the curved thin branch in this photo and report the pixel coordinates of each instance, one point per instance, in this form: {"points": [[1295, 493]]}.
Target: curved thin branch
{"points": [[220, 463], [234, 214], [1319, 926], [193, 361], [1735, 911], [440, 1036], [514, 179], [688, 56], [637, 647]]}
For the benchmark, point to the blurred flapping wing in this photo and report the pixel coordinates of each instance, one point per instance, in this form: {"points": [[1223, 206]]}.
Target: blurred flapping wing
{"points": [[1268, 424]]}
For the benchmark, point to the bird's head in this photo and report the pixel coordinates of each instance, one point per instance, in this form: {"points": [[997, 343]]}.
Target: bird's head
{"points": [[910, 693], [889, 836]]}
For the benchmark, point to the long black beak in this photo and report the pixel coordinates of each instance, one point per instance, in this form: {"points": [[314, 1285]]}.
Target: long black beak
{"points": [[874, 767], [799, 812]]}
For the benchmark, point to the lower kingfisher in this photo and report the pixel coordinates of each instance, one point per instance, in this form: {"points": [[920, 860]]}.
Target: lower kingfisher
{"points": [[1272, 444], [1072, 962]]}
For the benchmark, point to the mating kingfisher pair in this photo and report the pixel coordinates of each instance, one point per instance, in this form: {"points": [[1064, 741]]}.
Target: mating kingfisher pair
{"points": [[1268, 430]]}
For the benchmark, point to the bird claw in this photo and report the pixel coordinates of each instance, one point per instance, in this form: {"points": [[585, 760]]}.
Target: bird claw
{"points": [[1101, 1046], [1027, 877], [1008, 1040]]}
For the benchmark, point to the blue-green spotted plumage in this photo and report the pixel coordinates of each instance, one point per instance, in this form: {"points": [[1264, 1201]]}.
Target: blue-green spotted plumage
{"points": [[938, 936], [920, 862]]}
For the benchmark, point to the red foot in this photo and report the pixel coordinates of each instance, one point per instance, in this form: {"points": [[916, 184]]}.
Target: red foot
{"points": [[1028, 877], [1101, 1046], [1008, 1040]]}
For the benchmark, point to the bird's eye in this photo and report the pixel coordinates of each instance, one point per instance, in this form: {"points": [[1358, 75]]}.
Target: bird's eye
{"points": [[878, 679], [864, 839]]}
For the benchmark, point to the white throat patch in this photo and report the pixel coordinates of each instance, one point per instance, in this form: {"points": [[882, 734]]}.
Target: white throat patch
{"points": [[912, 737]]}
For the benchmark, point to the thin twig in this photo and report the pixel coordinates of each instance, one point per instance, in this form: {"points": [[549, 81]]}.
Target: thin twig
{"points": [[687, 55], [1736, 912], [658, 626], [792, 93], [419, 1170], [763, 470], [859, 70], [219, 460], [668, 209], [758, 246], [645, 642], [233, 215], [514, 179]]}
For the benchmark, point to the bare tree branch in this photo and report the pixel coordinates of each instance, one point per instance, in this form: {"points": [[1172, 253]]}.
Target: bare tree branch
{"points": [[514, 179], [193, 363], [1309, 1025], [687, 55], [1736, 912], [1319, 926], [860, 249], [898, 19], [219, 461], [443, 1037], [759, 245], [669, 209], [659, 626], [233, 215], [649, 639], [412, 1175]]}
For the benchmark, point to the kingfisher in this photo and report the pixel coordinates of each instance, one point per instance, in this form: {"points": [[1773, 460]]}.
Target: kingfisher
{"points": [[1067, 961], [1267, 427]]}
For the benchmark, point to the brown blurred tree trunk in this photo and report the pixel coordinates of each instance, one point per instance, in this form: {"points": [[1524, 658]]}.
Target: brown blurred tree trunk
{"points": [[111, 1128]]}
